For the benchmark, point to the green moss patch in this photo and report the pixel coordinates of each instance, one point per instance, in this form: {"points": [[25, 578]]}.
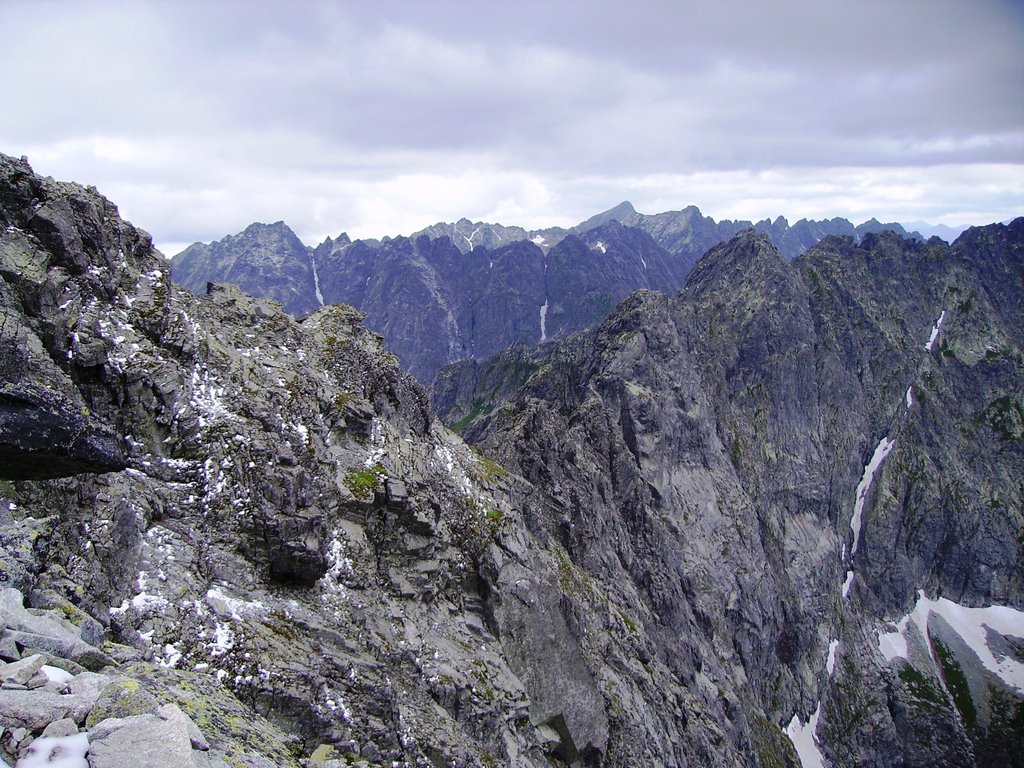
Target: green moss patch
{"points": [[956, 683], [926, 690], [364, 482]]}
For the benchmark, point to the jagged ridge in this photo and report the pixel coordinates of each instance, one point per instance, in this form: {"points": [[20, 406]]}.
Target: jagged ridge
{"points": [[468, 290]]}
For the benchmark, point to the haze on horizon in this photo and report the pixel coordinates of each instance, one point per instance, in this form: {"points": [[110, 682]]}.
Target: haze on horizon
{"points": [[197, 119]]}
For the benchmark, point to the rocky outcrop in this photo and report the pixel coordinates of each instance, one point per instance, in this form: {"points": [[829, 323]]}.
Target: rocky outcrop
{"points": [[43, 437], [467, 235], [688, 234], [64, 700]]}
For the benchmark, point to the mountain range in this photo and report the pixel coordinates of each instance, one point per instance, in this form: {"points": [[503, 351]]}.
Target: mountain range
{"points": [[468, 290], [772, 519]]}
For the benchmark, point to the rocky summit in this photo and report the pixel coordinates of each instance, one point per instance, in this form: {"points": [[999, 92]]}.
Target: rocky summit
{"points": [[773, 520]]}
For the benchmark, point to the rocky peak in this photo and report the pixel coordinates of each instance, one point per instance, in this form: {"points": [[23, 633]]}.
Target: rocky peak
{"points": [[750, 261], [623, 213], [467, 235], [264, 259], [294, 535]]}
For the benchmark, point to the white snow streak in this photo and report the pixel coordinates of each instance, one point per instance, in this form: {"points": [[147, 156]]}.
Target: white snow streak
{"points": [[935, 332], [848, 583], [543, 321], [881, 451], [316, 282], [830, 662], [970, 624], [600, 247], [470, 238], [803, 738], [910, 397]]}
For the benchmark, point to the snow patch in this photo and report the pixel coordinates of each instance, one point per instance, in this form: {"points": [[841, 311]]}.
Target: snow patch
{"points": [[847, 583], [144, 602], [893, 644], [538, 240], [339, 566], [57, 752], [935, 332], [910, 397], [599, 246], [233, 608], [171, 656], [223, 639], [881, 451], [803, 738], [56, 674], [830, 661], [972, 625], [207, 398]]}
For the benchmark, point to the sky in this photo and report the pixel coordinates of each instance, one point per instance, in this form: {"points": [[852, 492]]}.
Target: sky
{"points": [[381, 118]]}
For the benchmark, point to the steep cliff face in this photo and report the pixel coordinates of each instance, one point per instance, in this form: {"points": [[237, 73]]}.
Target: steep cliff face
{"points": [[778, 466], [688, 234], [436, 304]]}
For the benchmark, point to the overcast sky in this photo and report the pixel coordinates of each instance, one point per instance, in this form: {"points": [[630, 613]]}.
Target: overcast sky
{"points": [[380, 118]]}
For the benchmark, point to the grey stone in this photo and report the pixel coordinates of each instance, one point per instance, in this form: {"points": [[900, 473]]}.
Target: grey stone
{"points": [[171, 712], [8, 648], [66, 645], [46, 633], [89, 684], [22, 671], [121, 698], [141, 741], [38, 681], [90, 630], [35, 710], [58, 728]]}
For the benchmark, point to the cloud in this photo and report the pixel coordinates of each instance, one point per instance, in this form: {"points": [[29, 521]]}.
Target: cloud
{"points": [[198, 118]]}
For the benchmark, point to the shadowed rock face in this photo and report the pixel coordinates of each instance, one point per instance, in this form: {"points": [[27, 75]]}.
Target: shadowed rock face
{"points": [[294, 538], [435, 304], [40, 440]]}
